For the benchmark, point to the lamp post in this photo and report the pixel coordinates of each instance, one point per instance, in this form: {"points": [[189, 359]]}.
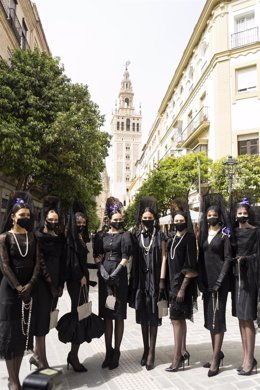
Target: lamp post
{"points": [[229, 165]]}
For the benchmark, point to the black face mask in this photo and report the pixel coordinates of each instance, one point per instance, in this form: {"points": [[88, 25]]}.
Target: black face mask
{"points": [[117, 225], [24, 223], [148, 223], [52, 225], [213, 221], [242, 219], [81, 229], [180, 226]]}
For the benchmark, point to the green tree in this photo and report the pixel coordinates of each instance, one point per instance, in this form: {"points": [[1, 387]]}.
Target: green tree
{"points": [[50, 136], [246, 179], [173, 177]]}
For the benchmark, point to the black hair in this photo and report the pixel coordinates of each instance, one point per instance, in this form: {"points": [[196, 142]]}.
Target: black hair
{"points": [[214, 208], [18, 206], [183, 213]]}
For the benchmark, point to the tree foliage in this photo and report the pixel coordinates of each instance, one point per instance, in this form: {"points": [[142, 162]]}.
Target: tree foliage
{"points": [[50, 134], [173, 177], [246, 179]]}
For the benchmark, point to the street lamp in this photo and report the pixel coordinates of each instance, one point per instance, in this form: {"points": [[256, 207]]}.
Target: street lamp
{"points": [[229, 165]]}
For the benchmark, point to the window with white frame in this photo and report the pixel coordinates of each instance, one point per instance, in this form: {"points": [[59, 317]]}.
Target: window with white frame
{"points": [[246, 79], [245, 22], [248, 144], [245, 30]]}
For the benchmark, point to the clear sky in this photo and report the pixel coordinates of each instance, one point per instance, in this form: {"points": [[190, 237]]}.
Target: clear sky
{"points": [[94, 39]]}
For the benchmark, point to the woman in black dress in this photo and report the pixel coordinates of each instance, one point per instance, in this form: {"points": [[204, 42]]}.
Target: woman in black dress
{"points": [[149, 243], [214, 264], [182, 268], [111, 253], [77, 275], [247, 242], [50, 282], [20, 267]]}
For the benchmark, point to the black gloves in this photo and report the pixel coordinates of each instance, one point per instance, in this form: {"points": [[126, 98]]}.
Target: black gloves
{"points": [[114, 277]]}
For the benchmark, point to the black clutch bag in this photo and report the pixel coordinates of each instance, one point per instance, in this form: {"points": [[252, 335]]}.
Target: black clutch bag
{"points": [[44, 379]]}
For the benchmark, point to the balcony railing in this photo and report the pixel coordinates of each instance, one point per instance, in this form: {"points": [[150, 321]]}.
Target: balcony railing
{"points": [[15, 25], [198, 120], [246, 37]]}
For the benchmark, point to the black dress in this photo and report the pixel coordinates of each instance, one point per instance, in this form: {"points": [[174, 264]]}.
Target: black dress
{"points": [[246, 274], [52, 268], [215, 260], [113, 248], [145, 277], [17, 270], [182, 258]]}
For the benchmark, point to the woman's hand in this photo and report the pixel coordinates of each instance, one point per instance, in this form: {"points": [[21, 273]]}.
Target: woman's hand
{"points": [[83, 281], [180, 295], [25, 292]]}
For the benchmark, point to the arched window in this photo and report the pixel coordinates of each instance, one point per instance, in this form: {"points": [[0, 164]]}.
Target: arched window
{"points": [[122, 125], [133, 126], [126, 102], [137, 127], [118, 125], [128, 124]]}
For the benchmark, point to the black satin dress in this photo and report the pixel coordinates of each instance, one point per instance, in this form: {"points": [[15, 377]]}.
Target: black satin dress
{"points": [[113, 248], [182, 258], [145, 277], [52, 266], [214, 257], [17, 270], [246, 274]]}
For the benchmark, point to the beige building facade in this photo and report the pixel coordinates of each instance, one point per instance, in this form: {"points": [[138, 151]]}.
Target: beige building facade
{"points": [[213, 99]]}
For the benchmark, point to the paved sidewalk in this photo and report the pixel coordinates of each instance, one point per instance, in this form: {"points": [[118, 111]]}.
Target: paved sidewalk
{"points": [[130, 374]]}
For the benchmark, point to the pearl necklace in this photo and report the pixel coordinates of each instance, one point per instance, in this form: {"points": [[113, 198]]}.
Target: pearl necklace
{"points": [[173, 250], [147, 248], [18, 246], [26, 306]]}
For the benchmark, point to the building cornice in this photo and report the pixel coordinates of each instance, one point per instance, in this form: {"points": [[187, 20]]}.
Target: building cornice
{"points": [[193, 42]]}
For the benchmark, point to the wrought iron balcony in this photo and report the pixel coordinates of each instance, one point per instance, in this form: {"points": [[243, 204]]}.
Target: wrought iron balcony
{"points": [[246, 37], [200, 118], [15, 25]]}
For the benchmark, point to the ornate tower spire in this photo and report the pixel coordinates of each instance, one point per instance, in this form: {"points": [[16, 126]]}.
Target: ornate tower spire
{"points": [[126, 127]]}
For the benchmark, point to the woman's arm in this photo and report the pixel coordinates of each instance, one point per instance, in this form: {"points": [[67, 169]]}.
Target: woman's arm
{"points": [[5, 265]]}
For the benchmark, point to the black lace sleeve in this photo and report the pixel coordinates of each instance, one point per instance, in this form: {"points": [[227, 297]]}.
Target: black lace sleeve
{"points": [[126, 245], [36, 270], [98, 244], [5, 264], [190, 266], [43, 268]]}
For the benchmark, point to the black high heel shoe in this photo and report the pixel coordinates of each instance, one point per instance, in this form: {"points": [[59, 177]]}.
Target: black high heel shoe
{"points": [[215, 372], [180, 362], [115, 359], [34, 361], [249, 372], [186, 356], [108, 358], [76, 368], [221, 357]]}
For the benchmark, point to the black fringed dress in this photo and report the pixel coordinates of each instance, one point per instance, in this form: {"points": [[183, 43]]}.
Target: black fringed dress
{"points": [[145, 276], [246, 273], [214, 258], [17, 270], [182, 258], [52, 266]]}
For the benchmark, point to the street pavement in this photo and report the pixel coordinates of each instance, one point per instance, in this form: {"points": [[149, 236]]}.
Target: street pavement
{"points": [[130, 374]]}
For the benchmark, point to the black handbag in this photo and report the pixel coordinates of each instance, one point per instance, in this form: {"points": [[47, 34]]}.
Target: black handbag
{"points": [[45, 379]]}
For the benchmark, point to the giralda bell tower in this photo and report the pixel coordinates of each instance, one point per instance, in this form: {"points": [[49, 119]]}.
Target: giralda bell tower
{"points": [[126, 130]]}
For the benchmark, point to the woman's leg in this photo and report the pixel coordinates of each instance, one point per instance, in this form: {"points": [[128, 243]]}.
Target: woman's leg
{"points": [[119, 331], [41, 351], [248, 342], [217, 340], [145, 335], [13, 374], [108, 342], [73, 358], [178, 332], [151, 355], [183, 344]]}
